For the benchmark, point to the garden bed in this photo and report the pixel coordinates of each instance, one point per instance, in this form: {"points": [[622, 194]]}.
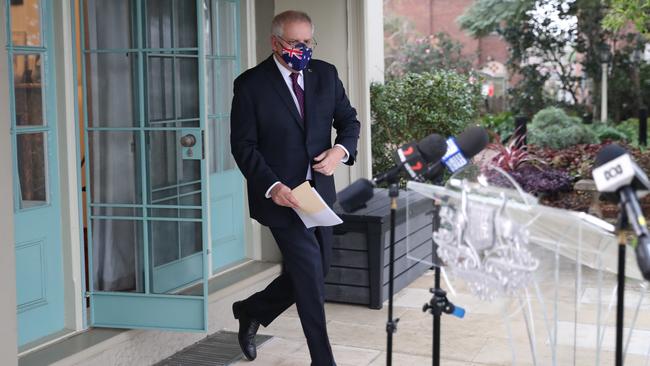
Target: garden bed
{"points": [[582, 201]]}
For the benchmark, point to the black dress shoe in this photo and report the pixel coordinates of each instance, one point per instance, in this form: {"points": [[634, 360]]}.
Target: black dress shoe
{"points": [[247, 329]]}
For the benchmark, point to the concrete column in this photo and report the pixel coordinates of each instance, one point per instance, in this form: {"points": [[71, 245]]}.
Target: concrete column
{"points": [[8, 330]]}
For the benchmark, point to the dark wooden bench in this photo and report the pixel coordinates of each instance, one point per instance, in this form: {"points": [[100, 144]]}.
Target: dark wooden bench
{"points": [[360, 255]]}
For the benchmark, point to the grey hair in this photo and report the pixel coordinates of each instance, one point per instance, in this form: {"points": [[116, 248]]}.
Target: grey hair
{"points": [[289, 16]]}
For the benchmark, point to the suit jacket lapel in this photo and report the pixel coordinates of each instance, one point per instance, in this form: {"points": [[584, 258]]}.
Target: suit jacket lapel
{"points": [[311, 82], [280, 86]]}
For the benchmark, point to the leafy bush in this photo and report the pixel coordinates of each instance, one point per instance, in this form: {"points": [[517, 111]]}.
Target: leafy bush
{"points": [[535, 180], [417, 105], [502, 124], [606, 132], [577, 160], [426, 54], [510, 156], [630, 128], [530, 172], [552, 127], [538, 180]]}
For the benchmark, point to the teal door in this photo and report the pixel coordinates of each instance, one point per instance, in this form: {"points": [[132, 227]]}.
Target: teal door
{"points": [[226, 182], [144, 123], [39, 274]]}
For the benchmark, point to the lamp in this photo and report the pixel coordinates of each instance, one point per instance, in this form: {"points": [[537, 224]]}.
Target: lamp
{"points": [[605, 58]]}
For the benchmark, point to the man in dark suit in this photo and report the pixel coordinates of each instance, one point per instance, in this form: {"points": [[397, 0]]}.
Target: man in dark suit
{"points": [[283, 112]]}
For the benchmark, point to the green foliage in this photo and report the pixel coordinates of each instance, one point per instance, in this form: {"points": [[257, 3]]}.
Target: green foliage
{"points": [[416, 105], [544, 38], [623, 12], [552, 127], [606, 132], [630, 128], [528, 95], [427, 54], [397, 32], [485, 16], [541, 34], [626, 132], [502, 124]]}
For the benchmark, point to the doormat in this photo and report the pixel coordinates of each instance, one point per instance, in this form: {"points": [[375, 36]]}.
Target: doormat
{"points": [[218, 349]]}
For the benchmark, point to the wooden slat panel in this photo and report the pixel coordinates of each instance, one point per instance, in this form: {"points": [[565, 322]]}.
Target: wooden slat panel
{"points": [[347, 276], [351, 240], [348, 294], [349, 258]]}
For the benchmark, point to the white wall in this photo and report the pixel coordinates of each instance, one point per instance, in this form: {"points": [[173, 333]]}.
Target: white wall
{"points": [[8, 328], [68, 163], [264, 12]]}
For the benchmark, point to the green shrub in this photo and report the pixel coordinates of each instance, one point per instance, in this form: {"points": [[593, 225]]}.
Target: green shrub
{"points": [[630, 128], [607, 132], [416, 105], [503, 124], [553, 128]]}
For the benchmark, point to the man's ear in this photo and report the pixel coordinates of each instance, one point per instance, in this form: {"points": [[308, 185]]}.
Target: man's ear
{"points": [[273, 43]]}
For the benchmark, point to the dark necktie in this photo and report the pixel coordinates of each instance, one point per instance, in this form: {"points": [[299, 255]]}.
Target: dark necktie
{"points": [[300, 94]]}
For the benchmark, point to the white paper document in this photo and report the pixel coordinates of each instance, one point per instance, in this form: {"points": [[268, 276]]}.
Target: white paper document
{"points": [[313, 210]]}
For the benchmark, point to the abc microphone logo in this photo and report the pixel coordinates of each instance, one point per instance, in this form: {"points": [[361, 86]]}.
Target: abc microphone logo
{"points": [[613, 172], [612, 175]]}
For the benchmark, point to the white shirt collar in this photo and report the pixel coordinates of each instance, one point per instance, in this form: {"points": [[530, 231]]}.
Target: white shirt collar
{"points": [[286, 73]]}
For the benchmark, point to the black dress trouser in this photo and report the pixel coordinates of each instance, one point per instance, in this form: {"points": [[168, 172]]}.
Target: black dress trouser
{"points": [[306, 258]]}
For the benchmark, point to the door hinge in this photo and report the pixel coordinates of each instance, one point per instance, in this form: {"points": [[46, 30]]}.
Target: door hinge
{"points": [[87, 295]]}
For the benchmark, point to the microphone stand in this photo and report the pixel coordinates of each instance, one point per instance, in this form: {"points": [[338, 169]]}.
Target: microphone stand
{"points": [[621, 225], [439, 303], [391, 324]]}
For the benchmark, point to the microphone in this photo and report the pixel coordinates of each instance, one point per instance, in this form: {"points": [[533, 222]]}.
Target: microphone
{"points": [[459, 152], [615, 171], [412, 158], [355, 196]]}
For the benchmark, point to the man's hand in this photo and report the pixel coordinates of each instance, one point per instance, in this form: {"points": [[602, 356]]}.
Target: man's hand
{"points": [[282, 196], [328, 160]]}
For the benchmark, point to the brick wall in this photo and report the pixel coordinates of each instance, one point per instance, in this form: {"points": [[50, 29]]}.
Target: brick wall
{"points": [[433, 16]]}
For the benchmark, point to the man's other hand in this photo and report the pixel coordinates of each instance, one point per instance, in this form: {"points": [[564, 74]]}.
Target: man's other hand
{"points": [[282, 196], [328, 160]]}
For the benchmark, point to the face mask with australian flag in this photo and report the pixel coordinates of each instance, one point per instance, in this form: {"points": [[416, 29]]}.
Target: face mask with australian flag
{"points": [[297, 57]]}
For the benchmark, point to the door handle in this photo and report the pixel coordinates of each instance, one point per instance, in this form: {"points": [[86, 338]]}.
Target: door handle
{"points": [[191, 140], [188, 140]]}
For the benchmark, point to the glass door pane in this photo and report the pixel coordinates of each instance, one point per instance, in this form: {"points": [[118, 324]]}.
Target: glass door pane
{"points": [[226, 182], [28, 90], [32, 168], [25, 22]]}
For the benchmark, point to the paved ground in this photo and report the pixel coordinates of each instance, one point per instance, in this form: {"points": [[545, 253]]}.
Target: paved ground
{"points": [[482, 338]]}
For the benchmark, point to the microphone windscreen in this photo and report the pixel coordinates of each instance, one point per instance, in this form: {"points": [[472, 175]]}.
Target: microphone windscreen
{"points": [[432, 148], [355, 196], [608, 153], [472, 141]]}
